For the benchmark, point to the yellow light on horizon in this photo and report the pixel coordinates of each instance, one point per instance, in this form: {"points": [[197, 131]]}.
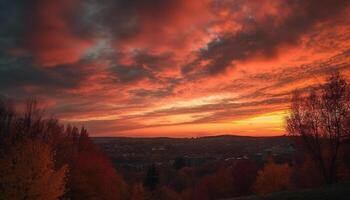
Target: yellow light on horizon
{"points": [[274, 121], [268, 124]]}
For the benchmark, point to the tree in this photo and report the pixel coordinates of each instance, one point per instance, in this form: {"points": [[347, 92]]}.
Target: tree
{"points": [[138, 192], [183, 179], [216, 186], [27, 172], [179, 162], [168, 194], [7, 115], [152, 178], [307, 175], [91, 174], [273, 178], [244, 174], [322, 119], [93, 177]]}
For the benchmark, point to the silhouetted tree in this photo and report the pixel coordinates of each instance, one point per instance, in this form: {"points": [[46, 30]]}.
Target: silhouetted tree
{"points": [[216, 186], [168, 194], [344, 171], [138, 192], [152, 178], [322, 119], [244, 174], [307, 174], [7, 116], [184, 178], [179, 162]]}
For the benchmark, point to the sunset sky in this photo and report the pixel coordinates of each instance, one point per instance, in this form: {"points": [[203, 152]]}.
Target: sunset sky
{"points": [[177, 68]]}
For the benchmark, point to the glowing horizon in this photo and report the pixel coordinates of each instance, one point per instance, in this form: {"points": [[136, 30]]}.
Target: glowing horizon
{"points": [[172, 68]]}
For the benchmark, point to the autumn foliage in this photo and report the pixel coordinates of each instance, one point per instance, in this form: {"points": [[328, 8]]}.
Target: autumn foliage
{"points": [[244, 174], [216, 186], [273, 178], [27, 172], [43, 159]]}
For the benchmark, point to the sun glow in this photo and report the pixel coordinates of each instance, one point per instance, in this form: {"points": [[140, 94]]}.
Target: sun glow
{"points": [[273, 121]]}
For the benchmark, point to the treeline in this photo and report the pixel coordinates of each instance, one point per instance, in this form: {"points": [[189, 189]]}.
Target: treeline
{"points": [[220, 180], [43, 159]]}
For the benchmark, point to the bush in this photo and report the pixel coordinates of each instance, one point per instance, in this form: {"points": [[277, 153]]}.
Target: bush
{"points": [[273, 178]]}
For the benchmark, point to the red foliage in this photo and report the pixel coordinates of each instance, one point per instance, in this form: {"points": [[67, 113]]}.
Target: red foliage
{"points": [[244, 174], [219, 185]]}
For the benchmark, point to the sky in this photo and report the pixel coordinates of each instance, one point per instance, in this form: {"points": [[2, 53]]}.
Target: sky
{"points": [[174, 68]]}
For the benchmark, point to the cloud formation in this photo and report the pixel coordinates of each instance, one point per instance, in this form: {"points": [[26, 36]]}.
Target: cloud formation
{"points": [[174, 67], [264, 35]]}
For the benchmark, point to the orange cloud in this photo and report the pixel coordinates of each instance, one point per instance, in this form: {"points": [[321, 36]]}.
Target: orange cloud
{"points": [[173, 68]]}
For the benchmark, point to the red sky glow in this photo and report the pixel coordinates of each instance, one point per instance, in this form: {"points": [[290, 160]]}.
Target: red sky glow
{"points": [[173, 68]]}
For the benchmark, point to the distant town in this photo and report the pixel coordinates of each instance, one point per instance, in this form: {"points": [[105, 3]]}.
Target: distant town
{"points": [[137, 154]]}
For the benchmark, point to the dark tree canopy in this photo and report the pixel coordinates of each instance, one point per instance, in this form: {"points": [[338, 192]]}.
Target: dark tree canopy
{"points": [[322, 119], [90, 174], [152, 178], [179, 162]]}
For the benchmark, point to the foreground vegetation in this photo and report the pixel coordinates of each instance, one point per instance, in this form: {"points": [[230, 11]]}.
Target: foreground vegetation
{"points": [[42, 159], [339, 191]]}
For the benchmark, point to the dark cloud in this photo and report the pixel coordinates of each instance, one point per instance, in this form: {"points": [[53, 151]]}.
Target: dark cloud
{"points": [[121, 18], [12, 24], [153, 61], [165, 91], [145, 66], [131, 73], [263, 37], [17, 73], [150, 93]]}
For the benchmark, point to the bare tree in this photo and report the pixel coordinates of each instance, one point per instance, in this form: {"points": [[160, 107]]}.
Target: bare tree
{"points": [[322, 119], [7, 115]]}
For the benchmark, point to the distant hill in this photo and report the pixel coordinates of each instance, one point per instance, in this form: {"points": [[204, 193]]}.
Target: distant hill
{"points": [[204, 138]]}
